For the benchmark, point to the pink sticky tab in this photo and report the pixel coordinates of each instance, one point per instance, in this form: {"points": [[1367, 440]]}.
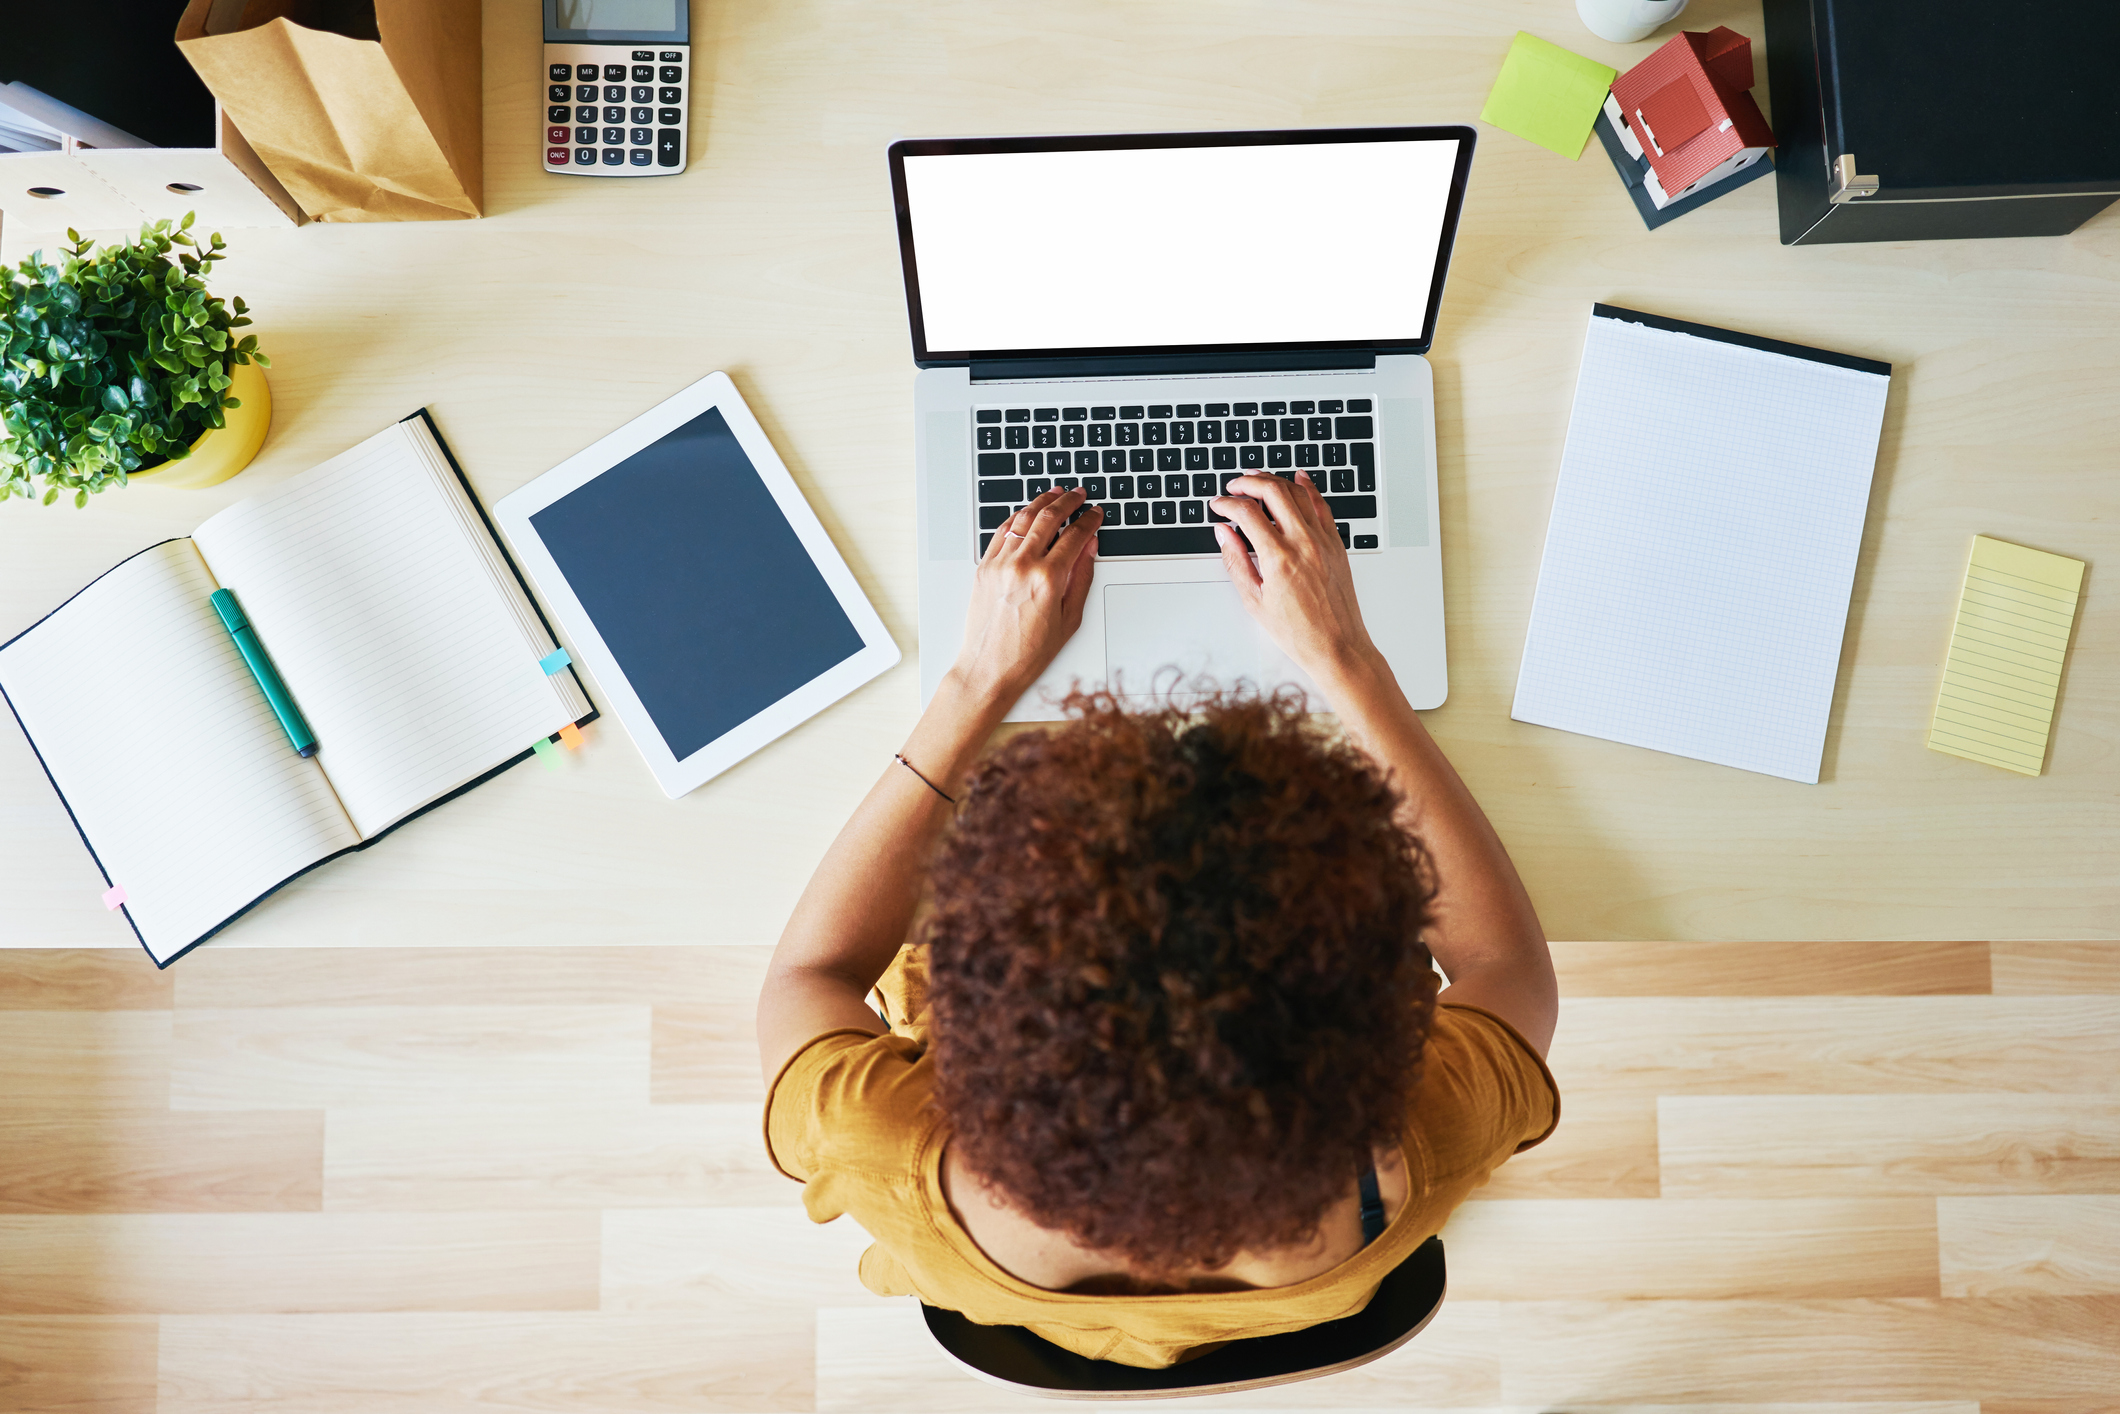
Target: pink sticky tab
{"points": [[114, 896], [572, 736]]}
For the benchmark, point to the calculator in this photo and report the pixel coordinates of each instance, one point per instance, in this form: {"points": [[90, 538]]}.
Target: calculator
{"points": [[618, 85]]}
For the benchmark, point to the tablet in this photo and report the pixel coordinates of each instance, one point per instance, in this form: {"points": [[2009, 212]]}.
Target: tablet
{"points": [[690, 577]]}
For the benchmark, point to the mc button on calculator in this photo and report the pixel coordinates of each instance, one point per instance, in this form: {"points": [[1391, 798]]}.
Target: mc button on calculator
{"points": [[617, 100]]}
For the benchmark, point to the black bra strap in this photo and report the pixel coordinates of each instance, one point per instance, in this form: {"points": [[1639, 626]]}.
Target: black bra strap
{"points": [[1372, 1207]]}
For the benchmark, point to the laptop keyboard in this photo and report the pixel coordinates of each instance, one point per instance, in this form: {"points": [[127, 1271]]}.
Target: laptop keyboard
{"points": [[1154, 467]]}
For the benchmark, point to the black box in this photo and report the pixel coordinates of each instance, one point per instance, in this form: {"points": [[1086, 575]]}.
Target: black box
{"points": [[1924, 120]]}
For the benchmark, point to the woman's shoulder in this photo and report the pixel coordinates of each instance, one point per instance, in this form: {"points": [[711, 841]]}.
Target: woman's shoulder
{"points": [[1484, 1093], [851, 1100]]}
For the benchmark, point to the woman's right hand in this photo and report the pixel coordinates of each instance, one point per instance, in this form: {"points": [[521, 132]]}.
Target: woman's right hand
{"points": [[1295, 578]]}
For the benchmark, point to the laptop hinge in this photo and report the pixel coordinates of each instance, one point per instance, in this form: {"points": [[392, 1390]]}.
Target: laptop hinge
{"points": [[1171, 365]]}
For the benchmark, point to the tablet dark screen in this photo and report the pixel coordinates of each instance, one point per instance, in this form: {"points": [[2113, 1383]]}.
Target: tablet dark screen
{"points": [[697, 583]]}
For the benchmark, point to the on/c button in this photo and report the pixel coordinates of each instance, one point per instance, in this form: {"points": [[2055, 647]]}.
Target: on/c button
{"points": [[555, 157]]}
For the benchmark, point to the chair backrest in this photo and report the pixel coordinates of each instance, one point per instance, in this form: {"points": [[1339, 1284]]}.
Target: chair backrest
{"points": [[1012, 1357]]}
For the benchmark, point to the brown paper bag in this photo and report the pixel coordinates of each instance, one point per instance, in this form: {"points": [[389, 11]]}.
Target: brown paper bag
{"points": [[367, 110]]}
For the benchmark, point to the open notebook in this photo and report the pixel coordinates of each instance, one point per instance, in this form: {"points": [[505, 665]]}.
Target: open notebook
{"points": [[1701, 550], [398, 625]]}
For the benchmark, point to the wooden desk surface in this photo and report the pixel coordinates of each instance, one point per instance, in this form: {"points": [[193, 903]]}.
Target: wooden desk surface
{"points": [[578, 303]]}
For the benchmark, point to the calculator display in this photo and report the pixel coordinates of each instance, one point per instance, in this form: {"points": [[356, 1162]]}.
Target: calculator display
{"points": [[619, 21]]}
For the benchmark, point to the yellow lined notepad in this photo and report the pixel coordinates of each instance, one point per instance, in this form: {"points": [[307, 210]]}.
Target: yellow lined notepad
{"points": [[2004, 670]]}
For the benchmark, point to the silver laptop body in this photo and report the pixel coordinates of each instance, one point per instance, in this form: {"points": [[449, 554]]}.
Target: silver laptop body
{"points": [[1076, 321]]}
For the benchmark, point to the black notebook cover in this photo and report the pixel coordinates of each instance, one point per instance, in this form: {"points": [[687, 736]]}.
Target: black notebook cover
{"points": [[517, 760]]}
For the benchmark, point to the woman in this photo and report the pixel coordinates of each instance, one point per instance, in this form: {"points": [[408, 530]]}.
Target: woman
{"points": [[1170, 1069]]}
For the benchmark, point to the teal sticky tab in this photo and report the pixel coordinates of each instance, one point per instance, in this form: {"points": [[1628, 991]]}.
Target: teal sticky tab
{"points": [[555, 660], [1547, 94], [546, 752]]}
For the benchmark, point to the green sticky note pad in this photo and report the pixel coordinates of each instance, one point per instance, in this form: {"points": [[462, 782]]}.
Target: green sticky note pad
{"points": [[546, 752], [1548, 95]]}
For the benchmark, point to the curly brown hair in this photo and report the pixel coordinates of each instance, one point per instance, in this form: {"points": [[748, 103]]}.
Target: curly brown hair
{"points": [[1176, 974]]}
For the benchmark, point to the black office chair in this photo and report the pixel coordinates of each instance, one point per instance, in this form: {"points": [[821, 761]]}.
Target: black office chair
{"points": [[1013, 1358]]}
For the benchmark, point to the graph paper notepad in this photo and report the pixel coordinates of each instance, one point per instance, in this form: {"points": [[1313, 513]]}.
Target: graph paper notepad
{"points": [[2007, 646], [1702, 544]]}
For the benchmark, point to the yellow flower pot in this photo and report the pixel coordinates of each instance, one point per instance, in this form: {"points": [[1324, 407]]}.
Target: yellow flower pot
{"points": [[221, 452]]}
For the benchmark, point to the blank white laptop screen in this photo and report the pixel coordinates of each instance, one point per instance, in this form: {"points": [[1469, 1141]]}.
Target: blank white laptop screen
{"points": [[1144, 247]]}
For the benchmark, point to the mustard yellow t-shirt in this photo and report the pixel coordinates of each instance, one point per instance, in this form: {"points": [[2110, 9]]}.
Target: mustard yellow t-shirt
{"points": [[850, 1117]]}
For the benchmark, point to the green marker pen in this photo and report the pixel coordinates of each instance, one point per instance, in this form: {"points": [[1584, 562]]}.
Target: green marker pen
{"points": [[298, 734]]}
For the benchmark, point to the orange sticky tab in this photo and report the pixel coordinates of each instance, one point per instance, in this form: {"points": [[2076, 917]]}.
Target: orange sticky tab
{"points": [[572, 736]]}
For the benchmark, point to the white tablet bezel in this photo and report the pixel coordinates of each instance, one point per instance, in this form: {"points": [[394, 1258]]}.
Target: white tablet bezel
{"points": [[677, 775]]}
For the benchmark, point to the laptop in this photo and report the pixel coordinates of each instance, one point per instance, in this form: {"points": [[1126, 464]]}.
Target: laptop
{"points": [[1148, 315]]}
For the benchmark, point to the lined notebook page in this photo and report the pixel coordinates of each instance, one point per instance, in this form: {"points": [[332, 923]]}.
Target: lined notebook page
{"points": [[1701, 549], [2007, 647], [162, 743], [369, 587]]}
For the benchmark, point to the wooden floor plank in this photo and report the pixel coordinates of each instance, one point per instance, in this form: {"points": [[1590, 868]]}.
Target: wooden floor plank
{"points": [[1770, 1146], [304, 1057], [674, 1259], [69, 1061], [82, 979], [2046, 1245], [160, 1161], [556, 1155], [537, 976], [198, 1263], [1605, 1148], [1570, 1353], [77, 1364], [706, 1054], [881, 1360], [2056, 969], [449, 1363], [1838, 1045], [1806, 969], [1698, 1249]]}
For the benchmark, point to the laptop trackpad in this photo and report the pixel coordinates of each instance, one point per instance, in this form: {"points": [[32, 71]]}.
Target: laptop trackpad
{"points": [[1197, 628]]}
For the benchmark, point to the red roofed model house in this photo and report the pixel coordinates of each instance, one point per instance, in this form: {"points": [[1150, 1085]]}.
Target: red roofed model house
{"points": [[1687, 109]]}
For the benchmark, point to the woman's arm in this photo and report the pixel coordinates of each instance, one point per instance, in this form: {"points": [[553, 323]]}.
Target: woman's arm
{"points": [[850, 922], [1296, 582]]}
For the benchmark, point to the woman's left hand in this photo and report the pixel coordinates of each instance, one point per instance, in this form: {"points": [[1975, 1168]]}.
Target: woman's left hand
{"points": [[1027, 599]]}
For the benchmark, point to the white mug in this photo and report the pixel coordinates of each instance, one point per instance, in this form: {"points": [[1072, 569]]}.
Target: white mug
{"points": [[1625, 21]]}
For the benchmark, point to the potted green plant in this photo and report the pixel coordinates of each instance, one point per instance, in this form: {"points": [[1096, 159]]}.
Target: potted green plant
{"points": [[118, 363]]}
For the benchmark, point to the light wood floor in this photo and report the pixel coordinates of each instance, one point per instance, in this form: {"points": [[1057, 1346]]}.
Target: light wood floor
{"points": [[1789, 1178]]}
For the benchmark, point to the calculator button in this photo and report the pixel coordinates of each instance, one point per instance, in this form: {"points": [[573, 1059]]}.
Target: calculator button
{"points": [[614, 158], [614, 137], [555, 157], [585, 94], [585, 114], [641, 137], [641, 54], [562, 72], [555, 135], [559, 93], [642, 115], [614, 115], [669, 151], [641, 93], [672, 56], [558, 115], [586, 136], [669, 95], [671, 73], [669, 117], [614, 93], [585, 157], [614, 73], [642, 73], [588, 73], [640, 157]]}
